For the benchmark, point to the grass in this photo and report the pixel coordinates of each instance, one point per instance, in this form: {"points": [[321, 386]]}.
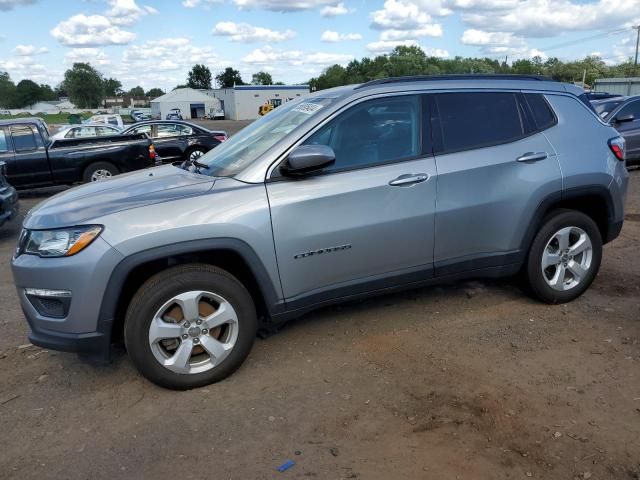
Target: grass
{"points": [[53, 118]]}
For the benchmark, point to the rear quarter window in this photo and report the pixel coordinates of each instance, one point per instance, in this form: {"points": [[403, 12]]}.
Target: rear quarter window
{"points": [[543, 115]]}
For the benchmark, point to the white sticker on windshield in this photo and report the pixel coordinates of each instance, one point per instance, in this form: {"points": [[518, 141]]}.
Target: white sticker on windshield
{"points": [[308, 108]]}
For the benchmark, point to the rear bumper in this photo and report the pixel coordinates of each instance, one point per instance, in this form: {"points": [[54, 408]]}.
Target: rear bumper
{"points": [[8, 204]]}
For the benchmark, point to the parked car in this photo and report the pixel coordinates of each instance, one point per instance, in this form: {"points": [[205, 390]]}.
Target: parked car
{"points": [[600, 95], [86, 130], [138, 116], [174, 114], [109, 119], [178, 141], [353, 192], [34, 160], [8, 194], [604, 107], [623, 114]]}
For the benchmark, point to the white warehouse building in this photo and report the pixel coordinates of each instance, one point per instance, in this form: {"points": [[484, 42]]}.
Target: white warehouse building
{"points": [[192, 104], [242, 102]]}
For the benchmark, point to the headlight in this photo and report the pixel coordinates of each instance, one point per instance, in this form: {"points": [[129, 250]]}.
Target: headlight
{"points": [[63, 242]]}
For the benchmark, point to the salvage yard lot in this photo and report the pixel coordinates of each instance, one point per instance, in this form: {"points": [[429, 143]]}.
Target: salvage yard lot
{"points": [[472, 380]]}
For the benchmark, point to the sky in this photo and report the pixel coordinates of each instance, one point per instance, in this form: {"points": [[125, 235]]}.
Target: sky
{"points": [[154, 43]]}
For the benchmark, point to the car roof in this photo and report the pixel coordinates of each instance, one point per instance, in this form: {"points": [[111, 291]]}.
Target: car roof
{"points": [[29, 120], [158, 122]]}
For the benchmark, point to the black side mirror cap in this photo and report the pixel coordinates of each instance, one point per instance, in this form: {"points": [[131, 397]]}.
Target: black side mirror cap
{"points": [[306, 159]]}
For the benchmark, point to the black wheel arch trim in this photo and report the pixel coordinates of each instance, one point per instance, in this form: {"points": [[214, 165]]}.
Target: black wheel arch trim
{"points": [[613, 228], [113, 290]]}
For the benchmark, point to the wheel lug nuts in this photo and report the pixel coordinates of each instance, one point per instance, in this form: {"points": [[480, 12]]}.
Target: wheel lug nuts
{"points": [[204, 331], [186, 325], [185, 336], [198, 322], [196, 340]]}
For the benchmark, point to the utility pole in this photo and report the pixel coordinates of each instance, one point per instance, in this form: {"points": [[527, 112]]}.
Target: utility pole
{"points": [[635, 63]]}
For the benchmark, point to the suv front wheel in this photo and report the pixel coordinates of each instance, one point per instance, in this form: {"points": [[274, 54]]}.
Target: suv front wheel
{"points": [[564, 257], [190, 326]]}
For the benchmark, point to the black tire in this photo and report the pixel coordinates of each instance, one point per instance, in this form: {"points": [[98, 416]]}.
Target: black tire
{"points": [[553, 223], [97, 166], [161, 288], [188, 153]]}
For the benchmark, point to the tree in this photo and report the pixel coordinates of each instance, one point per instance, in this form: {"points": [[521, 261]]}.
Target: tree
{"points": [[199, 77], [7, 91], [84, 85], [261, 78], [155, 93], [27, 93], [136, 92], [47, 93], [229, 78], [112, 87]]}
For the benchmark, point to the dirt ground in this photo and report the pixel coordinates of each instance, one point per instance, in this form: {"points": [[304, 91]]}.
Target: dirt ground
{"points": [[474, 380]]}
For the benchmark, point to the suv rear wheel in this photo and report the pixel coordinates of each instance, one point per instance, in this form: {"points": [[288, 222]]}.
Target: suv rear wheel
{"points": [[190, 326], [564, 257]]}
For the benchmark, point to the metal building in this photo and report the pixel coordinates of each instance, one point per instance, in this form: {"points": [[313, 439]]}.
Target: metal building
{"points": [[192, 103], [242, 102], [621, 86]]}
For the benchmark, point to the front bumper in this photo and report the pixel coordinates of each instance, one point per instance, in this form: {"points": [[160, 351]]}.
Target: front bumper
{"points": [[8, 204], [85, 275]]}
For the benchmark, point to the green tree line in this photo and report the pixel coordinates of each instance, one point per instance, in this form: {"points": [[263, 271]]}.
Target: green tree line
{"points": [[412, 60]]}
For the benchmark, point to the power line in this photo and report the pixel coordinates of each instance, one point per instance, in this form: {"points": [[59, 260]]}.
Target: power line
{"points": [[609, 33]]}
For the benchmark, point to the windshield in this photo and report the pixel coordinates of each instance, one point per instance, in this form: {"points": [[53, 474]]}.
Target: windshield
{"points": [[245, 147], [604, 108]]}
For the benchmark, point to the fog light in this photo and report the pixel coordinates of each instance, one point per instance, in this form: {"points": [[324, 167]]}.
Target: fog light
{"points": [[44, 292], [49, 303]]}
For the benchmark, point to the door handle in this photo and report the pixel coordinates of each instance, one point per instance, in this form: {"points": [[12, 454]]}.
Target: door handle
{"points": [[409, 179], [532, 157]]}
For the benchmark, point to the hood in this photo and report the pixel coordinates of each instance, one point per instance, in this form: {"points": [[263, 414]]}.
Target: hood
{"points": [[93, 200]]}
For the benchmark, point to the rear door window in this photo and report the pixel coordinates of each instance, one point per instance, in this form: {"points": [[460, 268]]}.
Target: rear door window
{"points": [[173, 130], [478, 119], [23, 138]]}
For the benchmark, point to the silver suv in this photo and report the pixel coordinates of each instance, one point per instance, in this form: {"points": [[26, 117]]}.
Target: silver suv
{"points": [[355, 191]]}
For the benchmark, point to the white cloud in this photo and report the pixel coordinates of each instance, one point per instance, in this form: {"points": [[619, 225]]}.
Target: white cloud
{"points": [[334, 10], [430, 30], [283, 5], [268, 55], [11, 4], [542, 18], [28, 50], [331, 37], [94, 56], [127, 12], [399, 15], [243, 32], [90, 31], [194, 3], [381, 47]]}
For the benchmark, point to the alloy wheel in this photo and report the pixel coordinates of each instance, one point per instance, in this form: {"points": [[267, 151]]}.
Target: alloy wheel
{"points": [[193, 332], [567, 258]]}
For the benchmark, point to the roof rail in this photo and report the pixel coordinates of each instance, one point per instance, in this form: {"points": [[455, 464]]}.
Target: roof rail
{"points": [[471, 76]]}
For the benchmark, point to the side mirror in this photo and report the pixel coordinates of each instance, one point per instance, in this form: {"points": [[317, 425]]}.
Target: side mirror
{"points": [[628, 117], [308, 159]]}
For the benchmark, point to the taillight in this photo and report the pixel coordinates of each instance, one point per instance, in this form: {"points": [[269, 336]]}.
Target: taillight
{"points": [[220, 138], [617, 147], [152, 152]]}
